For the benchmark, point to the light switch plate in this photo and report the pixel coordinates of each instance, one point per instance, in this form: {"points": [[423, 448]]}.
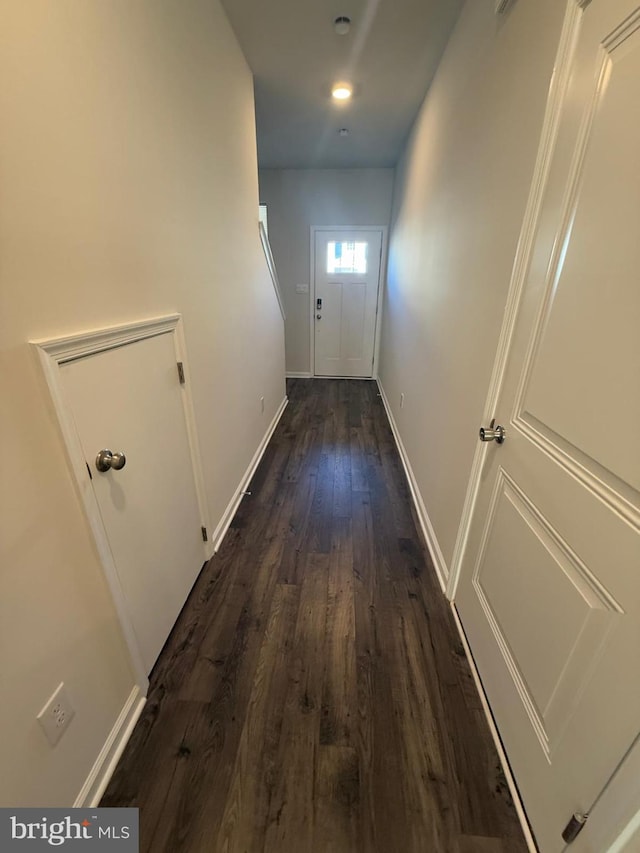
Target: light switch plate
{"points": [[302, 288]]}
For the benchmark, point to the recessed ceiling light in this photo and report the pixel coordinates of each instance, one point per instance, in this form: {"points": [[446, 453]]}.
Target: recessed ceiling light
{"points": [[341, 25], [342, 91]]}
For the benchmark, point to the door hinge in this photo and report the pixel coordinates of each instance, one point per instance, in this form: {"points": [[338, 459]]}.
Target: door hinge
{"points": [[205, 535], [181, 373], [575, 826]]}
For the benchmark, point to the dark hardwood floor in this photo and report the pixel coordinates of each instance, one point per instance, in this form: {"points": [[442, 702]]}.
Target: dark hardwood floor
{"points": [[314, 695]]}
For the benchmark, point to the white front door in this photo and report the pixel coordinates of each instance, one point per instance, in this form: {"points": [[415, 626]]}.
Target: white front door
{"points": [[550, 590], [345, 302], [128, 399]]}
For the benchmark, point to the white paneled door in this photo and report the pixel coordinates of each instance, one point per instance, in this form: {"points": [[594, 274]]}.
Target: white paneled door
{"points": [[549, 595], [345, 301], [127, 399]]}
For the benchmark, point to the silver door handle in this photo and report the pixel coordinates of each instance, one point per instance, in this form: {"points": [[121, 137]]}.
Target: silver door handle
{"points": [[493, 433], [106, 460], [318, 316]]}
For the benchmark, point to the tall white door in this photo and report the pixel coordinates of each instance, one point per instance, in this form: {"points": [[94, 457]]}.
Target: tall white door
{"points": [[550, 591], [128, 400], [347, 278]]}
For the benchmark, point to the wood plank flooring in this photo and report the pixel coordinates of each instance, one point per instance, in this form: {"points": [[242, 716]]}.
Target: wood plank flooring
{"points": [[314, 696]]}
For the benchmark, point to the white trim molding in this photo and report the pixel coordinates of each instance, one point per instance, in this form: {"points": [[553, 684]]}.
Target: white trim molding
{"points": [[299, 374], [107, 760], [511, 782], [271, 264], [227, 517], [56, 352], [614, 818], [557, 94], [428, 530]]}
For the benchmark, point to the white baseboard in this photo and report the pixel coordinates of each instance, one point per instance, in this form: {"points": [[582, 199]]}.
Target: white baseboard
{"points": [[298, 375], [105, 764], [428, 532], [442, 572], [221, 530], [515, 794]]}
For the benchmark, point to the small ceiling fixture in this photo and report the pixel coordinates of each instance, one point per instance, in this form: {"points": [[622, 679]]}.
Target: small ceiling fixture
{"points": [[342, 91], [344, 131], [341, 25]]}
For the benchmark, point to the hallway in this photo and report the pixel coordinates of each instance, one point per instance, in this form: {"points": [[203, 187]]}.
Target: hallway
{"points": [[314, 694]]}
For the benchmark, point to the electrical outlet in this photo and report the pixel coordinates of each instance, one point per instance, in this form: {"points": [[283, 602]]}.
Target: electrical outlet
{"points": [[262, 405], [56, 715], [402, 401]]}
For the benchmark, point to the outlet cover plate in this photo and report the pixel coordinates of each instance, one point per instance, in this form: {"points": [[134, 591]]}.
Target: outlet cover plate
{"points": [[56, 714]]}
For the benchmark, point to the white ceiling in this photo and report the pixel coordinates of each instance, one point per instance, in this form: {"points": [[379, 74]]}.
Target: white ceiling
{"points": [[390, 56]]}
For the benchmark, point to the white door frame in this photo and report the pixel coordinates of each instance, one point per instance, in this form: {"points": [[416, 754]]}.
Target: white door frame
{"points": [[614, 819], [555, 103], [382, 278], [53, 354]]}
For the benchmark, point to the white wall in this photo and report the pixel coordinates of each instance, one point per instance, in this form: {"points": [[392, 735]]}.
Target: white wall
{"points": [[129, 190], [296, 199], [461, 191]]}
